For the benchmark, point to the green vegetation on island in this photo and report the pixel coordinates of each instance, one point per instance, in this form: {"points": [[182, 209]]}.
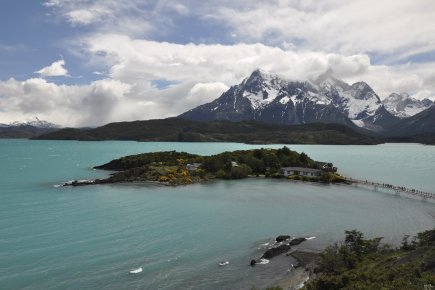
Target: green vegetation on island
{"points": [[177, 168]]}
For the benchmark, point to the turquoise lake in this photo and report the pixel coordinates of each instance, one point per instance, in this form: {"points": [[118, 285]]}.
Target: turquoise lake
{"points": [[91, 237]]}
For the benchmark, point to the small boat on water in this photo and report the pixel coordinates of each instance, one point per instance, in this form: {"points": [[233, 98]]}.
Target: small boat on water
{"points": [[136, 271], [224, 263]]}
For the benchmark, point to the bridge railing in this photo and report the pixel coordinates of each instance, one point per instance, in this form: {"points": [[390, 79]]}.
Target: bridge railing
{"points": [[397, 189]]}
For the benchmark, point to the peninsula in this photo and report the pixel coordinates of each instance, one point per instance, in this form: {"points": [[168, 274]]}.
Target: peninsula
{"points": [[180, 168]]}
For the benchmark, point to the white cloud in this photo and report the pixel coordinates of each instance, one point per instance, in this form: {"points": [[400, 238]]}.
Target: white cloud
{"points": [[86, 16], [205, 92], [132, 17], [136, 60], [337, 26], [93, 104], [425, 94], [296, 39], [56, 69], [389, 27]]}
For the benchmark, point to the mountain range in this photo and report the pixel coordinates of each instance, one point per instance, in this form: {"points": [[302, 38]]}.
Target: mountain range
{"points": [[26, 129], [268, 98], [34, 122], [265, 108]]}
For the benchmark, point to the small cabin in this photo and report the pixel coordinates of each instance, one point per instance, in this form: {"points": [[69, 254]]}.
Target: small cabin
{"points": [[301, 171], [193, 166]]}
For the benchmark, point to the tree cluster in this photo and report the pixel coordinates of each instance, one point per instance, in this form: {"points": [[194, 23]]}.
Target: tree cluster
{"points": [[257, 161], [359, 263]]}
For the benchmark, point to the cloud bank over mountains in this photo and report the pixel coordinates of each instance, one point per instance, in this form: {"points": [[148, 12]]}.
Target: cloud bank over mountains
{"points": [[386, 44]]}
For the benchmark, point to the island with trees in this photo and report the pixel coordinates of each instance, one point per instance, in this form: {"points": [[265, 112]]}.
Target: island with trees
{"points": [[180, 168]]}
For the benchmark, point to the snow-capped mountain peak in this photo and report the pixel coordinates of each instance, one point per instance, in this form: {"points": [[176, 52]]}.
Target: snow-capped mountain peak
{"points": [[404, 106], [35, 122], [260, 88], [357, 101]]}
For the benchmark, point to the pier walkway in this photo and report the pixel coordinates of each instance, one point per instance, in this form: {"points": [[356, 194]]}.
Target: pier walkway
{"points": [[397, 189]]}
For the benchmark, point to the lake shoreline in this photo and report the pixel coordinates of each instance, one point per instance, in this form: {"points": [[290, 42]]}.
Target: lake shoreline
{"points": [[85, 182], [299, 275]]}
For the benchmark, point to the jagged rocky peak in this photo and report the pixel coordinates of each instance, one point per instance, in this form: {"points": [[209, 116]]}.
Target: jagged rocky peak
{"points": [[328, 82], [260, 81], [362, 91], [403, 106], [260, 88]]}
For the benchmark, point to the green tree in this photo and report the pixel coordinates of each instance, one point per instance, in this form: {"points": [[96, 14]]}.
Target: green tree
{"points": [[303, 158], [354, 240]]}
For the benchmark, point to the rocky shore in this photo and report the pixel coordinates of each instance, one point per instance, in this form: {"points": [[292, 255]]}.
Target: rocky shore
{"points": [[282, 245], [300, 273]]}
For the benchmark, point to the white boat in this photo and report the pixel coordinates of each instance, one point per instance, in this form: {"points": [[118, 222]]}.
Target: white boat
{"points": [[136, 271], [224, 263]]}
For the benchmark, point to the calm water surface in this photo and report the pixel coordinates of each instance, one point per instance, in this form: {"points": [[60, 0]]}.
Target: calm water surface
{"points": [[90, 237]]}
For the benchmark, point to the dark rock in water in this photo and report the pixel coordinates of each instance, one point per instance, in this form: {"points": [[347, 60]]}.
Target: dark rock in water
{"points": [[275, 251], [78, 182], [297, 241], [253, 262], [281, 238]]}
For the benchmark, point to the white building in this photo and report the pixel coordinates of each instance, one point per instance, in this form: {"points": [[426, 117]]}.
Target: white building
{"points": [[193, 166], [301, 171]]}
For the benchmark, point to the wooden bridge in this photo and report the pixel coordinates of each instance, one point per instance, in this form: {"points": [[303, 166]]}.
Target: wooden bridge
{"points": [[397, 189]]}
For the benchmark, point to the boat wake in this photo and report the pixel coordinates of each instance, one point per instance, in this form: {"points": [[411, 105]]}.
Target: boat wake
{"points": [[263, 262], [136, 271]]}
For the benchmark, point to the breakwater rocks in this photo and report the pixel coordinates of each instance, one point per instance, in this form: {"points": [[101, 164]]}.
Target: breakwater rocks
{"points": [[281, 249], [282, 238], [79, 182], [83, 182], [283, 244]]}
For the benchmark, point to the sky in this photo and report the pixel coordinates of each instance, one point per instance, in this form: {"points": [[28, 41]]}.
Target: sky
{"points": [[87, 63]]}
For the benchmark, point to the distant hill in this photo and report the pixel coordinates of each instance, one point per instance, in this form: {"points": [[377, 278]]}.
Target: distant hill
{"points": [[23, 131], [183, 130], [422, 123], [418, 128]]}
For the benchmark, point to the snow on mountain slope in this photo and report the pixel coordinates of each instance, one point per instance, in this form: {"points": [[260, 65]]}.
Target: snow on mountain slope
{"points": [[268, 98], [404, 106], [35, 122], [357, 101], [261, 88]]}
